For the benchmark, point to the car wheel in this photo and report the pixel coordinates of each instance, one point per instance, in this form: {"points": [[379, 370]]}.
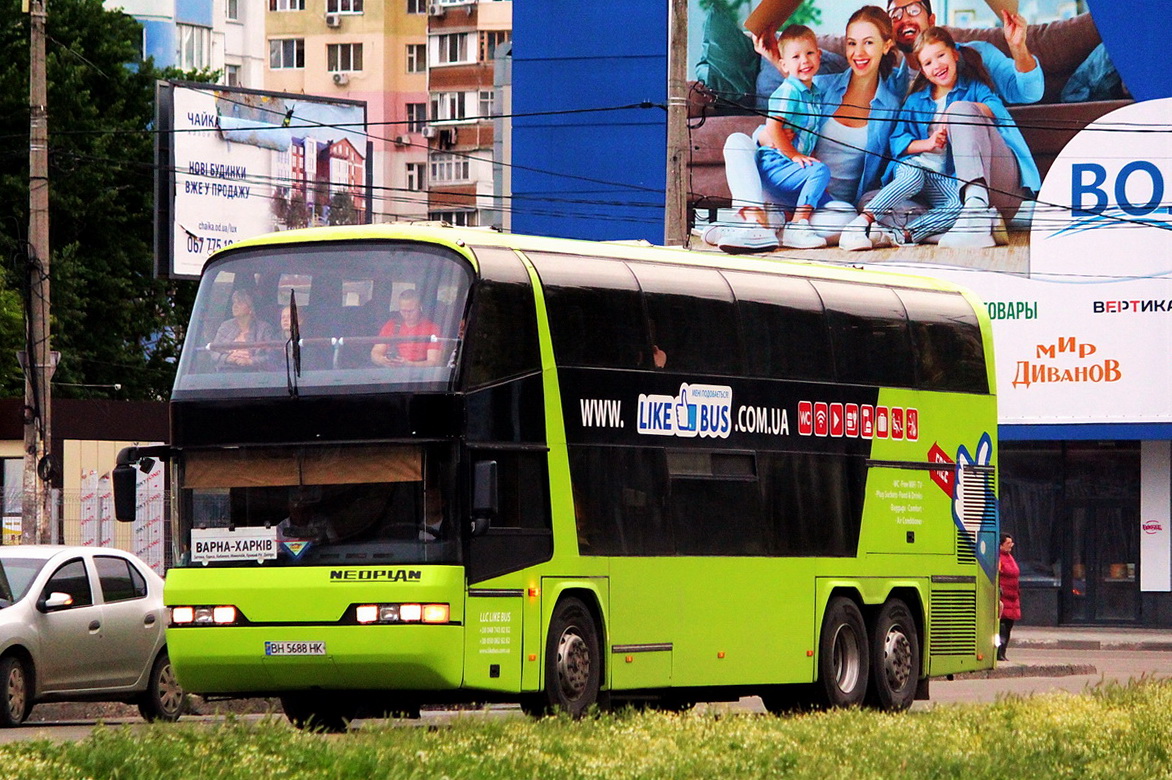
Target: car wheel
{"points": [[573, 662], [895, 658], [842, 655], [17, 693], [164, 698]]}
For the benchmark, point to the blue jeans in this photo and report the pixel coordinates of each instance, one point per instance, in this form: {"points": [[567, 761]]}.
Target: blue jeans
{"points": [[790, 183]]}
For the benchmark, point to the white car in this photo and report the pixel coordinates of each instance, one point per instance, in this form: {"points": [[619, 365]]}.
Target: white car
{"points": [[82, 624]]}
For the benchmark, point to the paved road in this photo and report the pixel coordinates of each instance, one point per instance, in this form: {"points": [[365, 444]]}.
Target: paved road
{"points": [[1042, 655]]}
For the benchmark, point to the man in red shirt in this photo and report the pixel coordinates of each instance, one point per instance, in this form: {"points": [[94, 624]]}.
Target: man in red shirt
{"points": [[422, 352]]}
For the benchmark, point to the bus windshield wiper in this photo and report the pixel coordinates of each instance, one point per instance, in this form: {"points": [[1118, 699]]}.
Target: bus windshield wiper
{"points": [[293, 347]]}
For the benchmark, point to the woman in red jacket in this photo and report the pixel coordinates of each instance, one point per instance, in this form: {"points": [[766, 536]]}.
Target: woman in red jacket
{"points": [[1009, 579]]}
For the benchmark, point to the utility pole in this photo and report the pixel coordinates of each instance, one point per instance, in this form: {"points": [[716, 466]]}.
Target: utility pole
{"points": [[36, 504], [675, 217]]}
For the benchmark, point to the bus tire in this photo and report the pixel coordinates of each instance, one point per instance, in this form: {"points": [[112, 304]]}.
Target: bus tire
{"points": [[314, 713], [17, 691], [573, 661], [842, 655], [163, 699], [895, 658]]}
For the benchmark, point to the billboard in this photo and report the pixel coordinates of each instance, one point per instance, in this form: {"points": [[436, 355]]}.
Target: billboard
{"points": [[1072, 246], [234, 163]]}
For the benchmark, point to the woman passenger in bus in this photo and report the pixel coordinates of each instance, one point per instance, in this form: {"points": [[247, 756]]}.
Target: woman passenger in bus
{"points": [[244, 327], [425, 351]]}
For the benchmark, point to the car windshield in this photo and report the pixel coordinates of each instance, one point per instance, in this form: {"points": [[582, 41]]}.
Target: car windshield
{"points": [[325, 318], [317, 505], [16, 577]]}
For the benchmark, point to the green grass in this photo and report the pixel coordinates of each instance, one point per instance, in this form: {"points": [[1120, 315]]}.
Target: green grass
{"points": [[1113, 732]]}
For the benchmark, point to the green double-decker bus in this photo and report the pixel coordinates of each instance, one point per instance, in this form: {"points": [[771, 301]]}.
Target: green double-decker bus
{"points": [[420, 464]]}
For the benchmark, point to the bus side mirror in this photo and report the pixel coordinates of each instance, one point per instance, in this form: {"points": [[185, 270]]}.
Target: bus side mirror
{"points": [[484, 495], [125, 484]]}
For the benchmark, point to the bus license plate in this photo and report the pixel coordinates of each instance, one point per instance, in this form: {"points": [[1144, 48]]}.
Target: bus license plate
{"points": [[295, 648]]}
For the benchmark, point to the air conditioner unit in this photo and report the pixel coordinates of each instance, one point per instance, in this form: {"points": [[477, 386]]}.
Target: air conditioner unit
{"points": [[429, 131], [341, 79], [403, 140], [435, 9], [333, 20]]}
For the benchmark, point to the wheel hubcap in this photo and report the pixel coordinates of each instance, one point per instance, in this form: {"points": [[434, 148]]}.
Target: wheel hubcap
{"points": [[170, 693], [573, 664], [897, 658], [846, 658], [16, 693]]}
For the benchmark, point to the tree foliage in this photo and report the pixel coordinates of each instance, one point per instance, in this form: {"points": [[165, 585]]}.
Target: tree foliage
{"points": [[112, 321]]}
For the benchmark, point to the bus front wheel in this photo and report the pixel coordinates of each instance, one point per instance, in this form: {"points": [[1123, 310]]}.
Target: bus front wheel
{"points": [[573, 661], [895, 658], [842, 655]]}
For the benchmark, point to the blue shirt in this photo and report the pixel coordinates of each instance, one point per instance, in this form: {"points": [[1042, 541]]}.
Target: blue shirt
{"points": [[919, 111], [880, 123], [1012, 85], [800, 109]]}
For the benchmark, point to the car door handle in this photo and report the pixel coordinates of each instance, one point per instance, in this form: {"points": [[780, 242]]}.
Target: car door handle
{"points": [[149, 620], [95, 625]]}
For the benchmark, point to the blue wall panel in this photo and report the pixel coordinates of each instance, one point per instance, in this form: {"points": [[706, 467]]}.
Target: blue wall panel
{"points": [[597, 175]]}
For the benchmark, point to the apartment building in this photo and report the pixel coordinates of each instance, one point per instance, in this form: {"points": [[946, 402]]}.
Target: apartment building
{"points": [[222, 35], [463, 39]]}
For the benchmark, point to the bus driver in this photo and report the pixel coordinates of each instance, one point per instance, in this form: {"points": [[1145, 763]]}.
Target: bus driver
{"points": [[414, 324]]}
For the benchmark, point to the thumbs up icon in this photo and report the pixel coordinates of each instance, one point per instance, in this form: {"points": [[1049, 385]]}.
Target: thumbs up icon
{"points": [[685, 412]]}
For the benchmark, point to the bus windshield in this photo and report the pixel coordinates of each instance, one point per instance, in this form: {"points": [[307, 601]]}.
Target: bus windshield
{"points": [[314, 319], [316, 505]]}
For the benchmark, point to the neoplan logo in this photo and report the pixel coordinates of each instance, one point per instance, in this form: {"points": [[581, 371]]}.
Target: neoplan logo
{"points": [[376, 575]]}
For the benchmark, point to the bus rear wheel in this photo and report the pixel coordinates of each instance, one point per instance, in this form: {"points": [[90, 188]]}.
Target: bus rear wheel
{"points": [[573, 662], [895, 658], [842, 655]]}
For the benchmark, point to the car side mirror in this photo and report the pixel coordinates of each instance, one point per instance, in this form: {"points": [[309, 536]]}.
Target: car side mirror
{"points": [[484, 495], [55, 601]]}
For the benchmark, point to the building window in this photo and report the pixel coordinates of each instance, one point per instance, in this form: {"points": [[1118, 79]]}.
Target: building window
{"points": [[287, 53], [195, 47], [233, 10], [343, 6], [416, 176], [487, 103], [344, 57], [451, 48], [416, 58], [454, 218], [416, 117], [449, 169], [449, 105], [232, 75], [490, 40], [416, 6], [286, 5]]}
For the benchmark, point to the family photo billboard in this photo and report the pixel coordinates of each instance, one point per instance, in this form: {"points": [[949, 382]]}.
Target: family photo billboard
{"points": [[235, 163], [1075, 267]]}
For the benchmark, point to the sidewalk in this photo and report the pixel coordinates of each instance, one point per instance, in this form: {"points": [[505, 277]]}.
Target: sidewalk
{"points": [[1092, 638]]}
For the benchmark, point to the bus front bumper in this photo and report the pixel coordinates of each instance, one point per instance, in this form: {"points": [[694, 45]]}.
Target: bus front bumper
{"points": [[233, 660]]}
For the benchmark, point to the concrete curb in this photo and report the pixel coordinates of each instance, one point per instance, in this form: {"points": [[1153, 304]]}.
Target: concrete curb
{"points": [[1092, 644], [1029, 670]]}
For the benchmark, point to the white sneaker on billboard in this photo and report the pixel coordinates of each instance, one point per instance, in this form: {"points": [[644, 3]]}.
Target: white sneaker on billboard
{"points": [[855, 236], [799, 235]]}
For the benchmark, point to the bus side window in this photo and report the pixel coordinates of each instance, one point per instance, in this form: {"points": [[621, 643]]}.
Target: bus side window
{"points": [[784, 327], [692, 318], [813, 502], [869, 333], [618, 501], [501, 332], [521, 534], [946, 335], [715, 504], [595, 313]]}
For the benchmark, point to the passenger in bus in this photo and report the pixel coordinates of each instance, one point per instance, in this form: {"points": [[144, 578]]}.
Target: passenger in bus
{"points": [[244, 327], [414, 324]]}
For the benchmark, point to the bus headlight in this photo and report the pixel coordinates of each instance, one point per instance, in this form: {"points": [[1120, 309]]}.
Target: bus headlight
{"points": [[221, 615], [367, 614]]}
